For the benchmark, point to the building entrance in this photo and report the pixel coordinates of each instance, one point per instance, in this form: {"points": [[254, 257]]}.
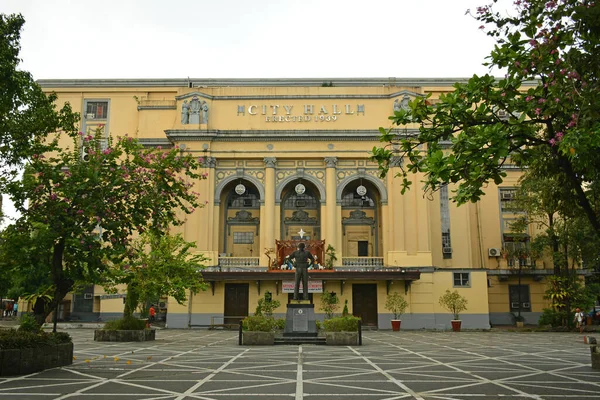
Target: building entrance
{"points": [[364, 303], [236, 302]]}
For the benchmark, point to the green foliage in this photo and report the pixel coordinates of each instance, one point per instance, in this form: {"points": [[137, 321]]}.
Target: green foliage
{"points": [[280, 323], [546, 101], [330, 256], [28, 323], [330, 303], [266, 305], [345, 311], [158, 264], [567, 292], [453, 302], [319, 325], [341, 324], [19, 339], [259, 323], [396, 304], [128, 323], [553, 318]]}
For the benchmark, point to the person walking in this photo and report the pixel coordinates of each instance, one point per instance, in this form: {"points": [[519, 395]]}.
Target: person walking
{"points": [[579, 318], [152, 314], [15, 309], [301, 257]]}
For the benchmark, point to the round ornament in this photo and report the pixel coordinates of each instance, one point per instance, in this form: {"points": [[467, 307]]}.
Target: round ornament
{"points": [[240, 189], [361, 190], [300, 189]]}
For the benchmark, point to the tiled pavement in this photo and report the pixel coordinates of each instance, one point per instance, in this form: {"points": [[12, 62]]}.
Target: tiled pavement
{"points": [[207, 365]]}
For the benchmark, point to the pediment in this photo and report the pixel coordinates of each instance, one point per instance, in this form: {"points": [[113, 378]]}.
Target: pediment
{"points": [[196, 93]]}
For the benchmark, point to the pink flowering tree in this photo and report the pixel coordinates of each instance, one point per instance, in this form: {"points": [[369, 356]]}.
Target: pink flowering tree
{"points": [[546, 107], [91, 209]]}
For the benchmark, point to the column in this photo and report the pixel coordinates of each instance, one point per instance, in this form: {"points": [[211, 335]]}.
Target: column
{"points": [[395, 204], [268, 216], [330, 204]]}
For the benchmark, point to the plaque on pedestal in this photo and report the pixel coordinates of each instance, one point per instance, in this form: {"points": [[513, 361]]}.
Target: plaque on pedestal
{"points": [[300, 320]]}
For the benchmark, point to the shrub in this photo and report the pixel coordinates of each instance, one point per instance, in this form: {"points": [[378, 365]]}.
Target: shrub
{"points": [[27, 323], [345, 312], [319, 325], [342, 324], [552, 317], [329, 303], [396, 304], [266, 305], [20, 339], [453, 302], [258, 323], [125, 324], [280, 323]]}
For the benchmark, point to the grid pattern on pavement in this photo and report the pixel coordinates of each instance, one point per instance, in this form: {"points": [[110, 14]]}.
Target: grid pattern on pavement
{"points": [[210, 365]]}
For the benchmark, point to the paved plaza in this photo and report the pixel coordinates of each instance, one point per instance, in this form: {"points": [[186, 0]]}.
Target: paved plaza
{"points": [[205, 365]]}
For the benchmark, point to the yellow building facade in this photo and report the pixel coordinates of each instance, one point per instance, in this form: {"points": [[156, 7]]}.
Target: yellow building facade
{"points": [[287, 160]]}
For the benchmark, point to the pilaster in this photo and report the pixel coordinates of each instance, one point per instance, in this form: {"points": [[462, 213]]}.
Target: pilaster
{"points": [[330, 204], [268, 216]]}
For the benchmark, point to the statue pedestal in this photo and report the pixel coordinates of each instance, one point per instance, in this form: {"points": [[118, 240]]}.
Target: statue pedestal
{"points": [[300, 319]]}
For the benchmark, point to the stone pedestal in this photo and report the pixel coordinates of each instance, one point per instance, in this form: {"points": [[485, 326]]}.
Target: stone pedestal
{"points": [[300, 320]]}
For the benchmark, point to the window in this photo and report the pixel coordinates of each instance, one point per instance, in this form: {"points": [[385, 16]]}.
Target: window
{"points": [[445, 213], [507, 197], [96, 110], [243, 237], [519, 295], [461, 279]]}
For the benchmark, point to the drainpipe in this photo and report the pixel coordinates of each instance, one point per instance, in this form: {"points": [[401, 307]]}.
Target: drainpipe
{"points": [[190, 310], [479, 238]]}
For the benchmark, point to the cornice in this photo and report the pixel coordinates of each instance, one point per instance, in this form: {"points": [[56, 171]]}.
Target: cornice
{"points": [[272, 135], [155, 142], [270, 82]]}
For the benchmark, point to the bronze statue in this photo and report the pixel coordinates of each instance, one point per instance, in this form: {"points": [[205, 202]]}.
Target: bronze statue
{"points": [[301, 258]]}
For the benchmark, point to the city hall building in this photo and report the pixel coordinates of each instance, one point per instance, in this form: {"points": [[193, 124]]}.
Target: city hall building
{"points": [[287, 161]]}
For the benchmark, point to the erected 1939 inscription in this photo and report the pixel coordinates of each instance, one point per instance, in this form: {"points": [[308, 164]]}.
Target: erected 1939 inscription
{"points": [[300, 320]]}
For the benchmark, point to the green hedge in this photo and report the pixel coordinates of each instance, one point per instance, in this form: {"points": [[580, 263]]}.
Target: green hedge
{"points": [[16, 339], [341, 324], [125, 324]]}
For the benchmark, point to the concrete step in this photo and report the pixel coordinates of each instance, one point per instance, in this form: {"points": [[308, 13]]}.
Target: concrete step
{"points": [[300, 340]]}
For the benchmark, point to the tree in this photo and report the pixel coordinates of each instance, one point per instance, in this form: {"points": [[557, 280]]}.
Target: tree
{"points": [[547, 100], [89, 209], [157, 265], [453, 302], [329, 303], [27, 114]]}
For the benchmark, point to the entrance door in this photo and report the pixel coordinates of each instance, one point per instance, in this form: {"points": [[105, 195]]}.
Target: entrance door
{"points": [[364, 303], [236, 302]]}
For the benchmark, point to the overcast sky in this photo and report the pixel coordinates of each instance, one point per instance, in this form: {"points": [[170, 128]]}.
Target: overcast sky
{"points": [[107, 39], [250, 39]]}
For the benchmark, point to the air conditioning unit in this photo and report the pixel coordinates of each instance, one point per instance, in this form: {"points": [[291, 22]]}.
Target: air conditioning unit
{"points": [[514, 304], [90, 116], [88, 296], [447, 250], [507, 195], [526, 305], [493, 252]]}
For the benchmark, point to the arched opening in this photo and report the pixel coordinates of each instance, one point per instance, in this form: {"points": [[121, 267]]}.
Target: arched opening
{"points": [[361, 220], [300, 211], [240, 216]]}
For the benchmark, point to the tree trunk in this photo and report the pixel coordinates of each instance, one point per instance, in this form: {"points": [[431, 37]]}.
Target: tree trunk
{"points": [[131, 301], [555, 247]]}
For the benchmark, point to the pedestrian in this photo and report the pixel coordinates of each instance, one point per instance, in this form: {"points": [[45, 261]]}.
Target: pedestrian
{"points": [[579, 318], [15, 309], [152, 314]]}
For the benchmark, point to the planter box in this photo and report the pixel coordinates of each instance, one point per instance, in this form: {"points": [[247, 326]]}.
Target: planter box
{"points": [[101, 335], [30, 360], [456, 324], [595, 357], [396, 323], [341, 338], [256, 338]]}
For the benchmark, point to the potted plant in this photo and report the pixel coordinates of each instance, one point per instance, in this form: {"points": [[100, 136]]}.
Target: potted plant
{"points": [[397, 305], [455, 303]]}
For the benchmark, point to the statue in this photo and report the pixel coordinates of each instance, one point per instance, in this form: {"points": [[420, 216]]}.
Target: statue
{"points": [[185, 113], [195, 110], [204, 119], [301, 258], [402, 104]]}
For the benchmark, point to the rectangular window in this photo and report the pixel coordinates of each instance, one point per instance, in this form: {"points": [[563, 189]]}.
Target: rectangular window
{"points": [[243, 237], [507, 197], [462, 279], [96, 110], [445, 213], [519, 295]]}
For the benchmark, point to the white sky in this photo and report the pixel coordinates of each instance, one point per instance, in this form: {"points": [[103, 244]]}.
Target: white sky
{"points": [[250, 39], [107, 39]]}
